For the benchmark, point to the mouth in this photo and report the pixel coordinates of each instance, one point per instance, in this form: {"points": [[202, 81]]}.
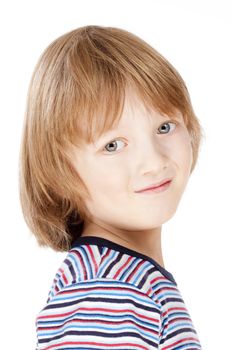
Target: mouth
{"points": [[155, 188]]}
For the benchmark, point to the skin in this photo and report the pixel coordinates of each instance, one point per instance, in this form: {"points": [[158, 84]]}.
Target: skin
{"points": [[140, 153]]}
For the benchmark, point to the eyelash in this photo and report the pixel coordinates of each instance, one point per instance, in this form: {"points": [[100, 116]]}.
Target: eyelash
{"points": [[168, 122]]}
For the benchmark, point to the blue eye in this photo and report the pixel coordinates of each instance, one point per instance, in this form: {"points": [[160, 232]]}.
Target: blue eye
{"points": [[165, 128], [112, 143]]}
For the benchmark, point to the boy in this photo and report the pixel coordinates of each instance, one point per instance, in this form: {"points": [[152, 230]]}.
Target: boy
{"points": [[92, 88]]}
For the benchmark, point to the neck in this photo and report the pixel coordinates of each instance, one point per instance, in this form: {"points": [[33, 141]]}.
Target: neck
{"points": [[147, 242]]}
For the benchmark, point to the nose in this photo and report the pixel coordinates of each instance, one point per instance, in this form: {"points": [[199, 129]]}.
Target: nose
{"points": [[153, 157]]}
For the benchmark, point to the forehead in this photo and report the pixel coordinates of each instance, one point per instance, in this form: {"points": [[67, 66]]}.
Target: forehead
{"points": [[136, 111]]}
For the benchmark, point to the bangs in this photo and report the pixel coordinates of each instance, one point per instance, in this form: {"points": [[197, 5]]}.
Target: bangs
{"points": [[100, 116], [96, 73]]}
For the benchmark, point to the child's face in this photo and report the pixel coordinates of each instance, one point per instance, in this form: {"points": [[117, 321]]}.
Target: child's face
{"points": [[141, 156]]}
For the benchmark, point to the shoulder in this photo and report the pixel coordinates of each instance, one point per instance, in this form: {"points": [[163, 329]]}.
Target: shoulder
{"points": [[106, 296], [93, 262]]}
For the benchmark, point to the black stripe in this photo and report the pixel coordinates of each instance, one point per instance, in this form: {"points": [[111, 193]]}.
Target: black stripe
{"points": [[167, 300], [179, 331], [71, 269], [113, 263], [103, 299], [100, 334], [145, 278]]}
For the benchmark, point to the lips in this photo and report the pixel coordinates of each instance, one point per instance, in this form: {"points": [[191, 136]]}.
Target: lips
{"points": [[155, 185]]}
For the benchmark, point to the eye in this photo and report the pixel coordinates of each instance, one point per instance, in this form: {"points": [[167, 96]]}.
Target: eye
{"points": [[112, 145], [165, 127]]}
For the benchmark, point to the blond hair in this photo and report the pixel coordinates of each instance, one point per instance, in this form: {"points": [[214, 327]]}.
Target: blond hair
{"points": [[76, 93]]}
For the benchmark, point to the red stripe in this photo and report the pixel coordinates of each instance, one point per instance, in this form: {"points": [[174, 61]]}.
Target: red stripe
{"points": [[93, 258], [179, 319], [161, 279], [63, 275], [82, 263], [71, 291], [123, 266], [98, 309], [134, 271], [108, 345], [98, 321], [166, 312], [179, 342]]}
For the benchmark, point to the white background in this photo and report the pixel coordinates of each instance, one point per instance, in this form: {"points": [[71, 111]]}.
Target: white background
{"points": [[197, 38]]}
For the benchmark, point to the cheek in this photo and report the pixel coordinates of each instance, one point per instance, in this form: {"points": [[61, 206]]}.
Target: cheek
{"points": [[184, 154], [106, 193], [103, 179]]}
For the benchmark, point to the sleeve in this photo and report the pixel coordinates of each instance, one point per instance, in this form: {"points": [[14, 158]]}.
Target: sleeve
{"points": [[99, 314]]}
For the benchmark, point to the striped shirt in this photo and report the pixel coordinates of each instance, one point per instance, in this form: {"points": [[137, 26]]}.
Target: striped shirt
{"points": [[107, 296]]}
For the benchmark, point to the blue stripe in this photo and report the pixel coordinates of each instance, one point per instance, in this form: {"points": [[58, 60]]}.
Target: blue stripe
{"points": [[107, 261], [87, 262], [75, 261], [101, 328], [120, 294], [129, 269], [81, 315], [139, 273]]}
